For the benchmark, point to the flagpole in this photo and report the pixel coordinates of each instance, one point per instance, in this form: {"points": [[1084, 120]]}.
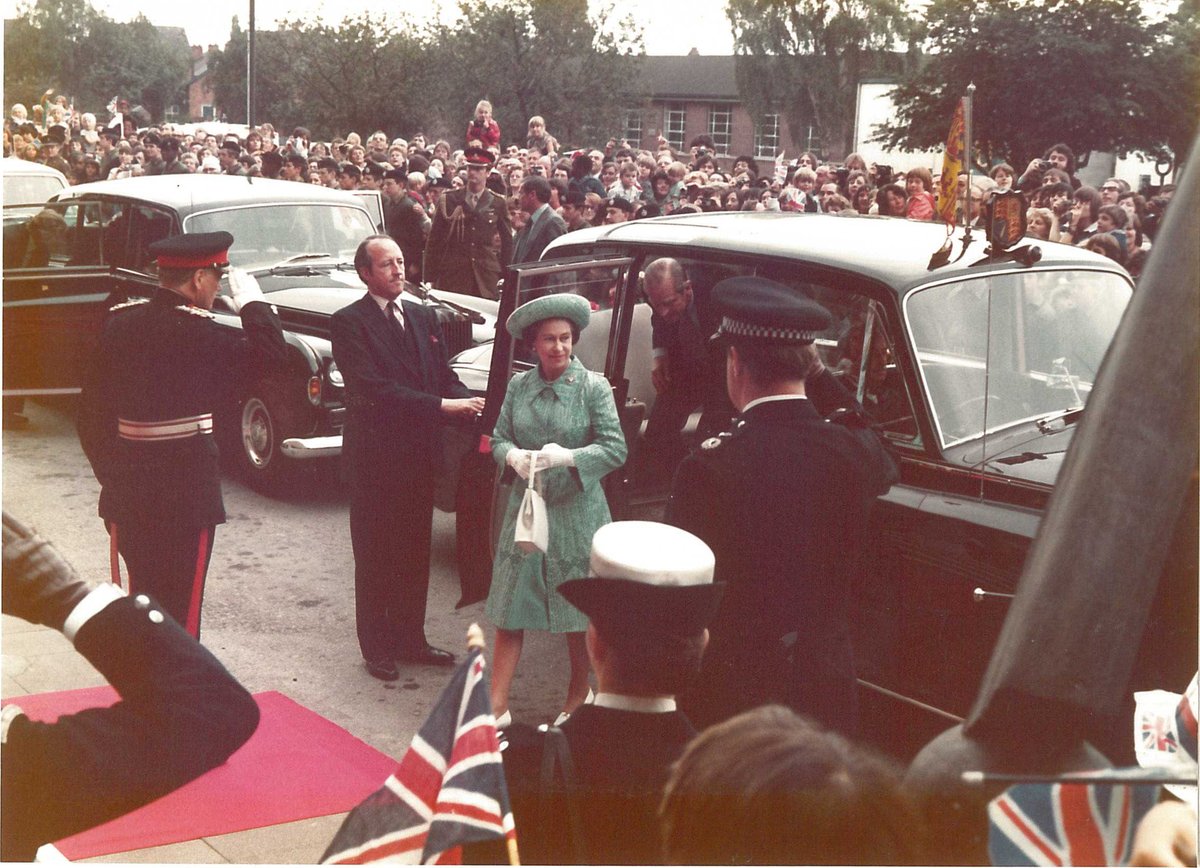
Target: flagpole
{"points": [[475, 639], [968, 106]]}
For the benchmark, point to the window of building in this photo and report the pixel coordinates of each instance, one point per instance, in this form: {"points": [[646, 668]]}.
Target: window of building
{"points": [[720, 124], [206, 112], [633, 128], [766, 137], [673, 127]]}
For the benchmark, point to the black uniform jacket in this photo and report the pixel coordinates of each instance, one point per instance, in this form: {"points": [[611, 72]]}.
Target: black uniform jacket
{"points": [[783, 501], [622, 759], [180, 714], [160, 361], [393, 397]]}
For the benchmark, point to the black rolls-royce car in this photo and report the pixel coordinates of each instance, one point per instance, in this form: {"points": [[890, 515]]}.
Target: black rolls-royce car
{"points": [[974, 364], [69, 260]]}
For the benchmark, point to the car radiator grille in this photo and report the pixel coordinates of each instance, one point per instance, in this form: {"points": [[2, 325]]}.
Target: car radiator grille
{"points": [[456, 330]]}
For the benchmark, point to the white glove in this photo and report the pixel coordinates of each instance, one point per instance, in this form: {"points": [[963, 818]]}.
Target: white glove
{"points": [[519, 460], [553, 455], [244, 287]]}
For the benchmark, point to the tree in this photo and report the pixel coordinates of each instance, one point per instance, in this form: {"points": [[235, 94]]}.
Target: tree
{"points": [[1046, 71], [537, 57], [805, 59], [1173, 112]]}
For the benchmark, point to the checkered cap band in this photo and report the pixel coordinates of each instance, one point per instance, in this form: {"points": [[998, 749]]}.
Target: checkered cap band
{"points": [[740, 329]]}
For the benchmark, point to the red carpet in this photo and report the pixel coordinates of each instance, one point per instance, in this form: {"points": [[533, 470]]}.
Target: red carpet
{"points": [[297, 765]]}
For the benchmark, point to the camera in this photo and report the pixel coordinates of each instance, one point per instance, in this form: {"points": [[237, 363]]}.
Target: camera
{"points": [[1043, 165], [842, 174]]}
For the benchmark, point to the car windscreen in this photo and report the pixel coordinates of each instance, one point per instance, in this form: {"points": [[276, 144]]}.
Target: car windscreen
{"points": [[24, 189], [267, 235], [1001, 349]]}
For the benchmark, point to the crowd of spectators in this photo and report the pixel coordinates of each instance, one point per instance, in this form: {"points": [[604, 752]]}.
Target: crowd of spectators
{"points": [[592, 185]]}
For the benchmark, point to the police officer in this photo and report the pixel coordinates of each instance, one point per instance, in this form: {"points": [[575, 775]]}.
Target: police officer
{"points": [[783, 501], [471, 240], [146, 415]]}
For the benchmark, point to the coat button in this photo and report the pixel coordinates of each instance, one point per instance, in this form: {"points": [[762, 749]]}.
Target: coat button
{"points": [[141, 601]]}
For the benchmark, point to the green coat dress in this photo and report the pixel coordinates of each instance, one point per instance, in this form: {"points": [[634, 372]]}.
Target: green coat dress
{"points": [[577, 412]]}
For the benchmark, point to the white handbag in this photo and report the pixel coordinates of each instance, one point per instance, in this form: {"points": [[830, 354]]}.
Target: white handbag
{"points": [[532, 532]]}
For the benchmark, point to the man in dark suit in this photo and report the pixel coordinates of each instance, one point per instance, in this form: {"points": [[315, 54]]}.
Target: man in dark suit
{"points": [[688, 373], [783, 500], [470, 243], [588, 793], [399, 391], [543, 225], [180, 714]]}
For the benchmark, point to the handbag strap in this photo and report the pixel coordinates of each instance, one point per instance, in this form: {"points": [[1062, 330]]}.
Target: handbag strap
{"points": [[535, 481]]}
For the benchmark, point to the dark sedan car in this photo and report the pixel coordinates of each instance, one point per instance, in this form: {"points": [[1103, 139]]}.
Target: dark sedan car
{"points": [[973, 367], [68, 261]]}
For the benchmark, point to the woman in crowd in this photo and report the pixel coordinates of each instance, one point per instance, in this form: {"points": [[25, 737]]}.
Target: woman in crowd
{"points": [[864, 198], [1085, 210], [1002, 174], [890, 200], [1041, 223], [562, 415]]}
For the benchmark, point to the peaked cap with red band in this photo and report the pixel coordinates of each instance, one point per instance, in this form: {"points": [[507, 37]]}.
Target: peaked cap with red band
{"points": [[198, 250]]}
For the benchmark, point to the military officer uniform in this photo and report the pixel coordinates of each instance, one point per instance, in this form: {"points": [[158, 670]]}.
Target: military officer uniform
{"points": [[146, 422], [470, 243], [783, 499]]}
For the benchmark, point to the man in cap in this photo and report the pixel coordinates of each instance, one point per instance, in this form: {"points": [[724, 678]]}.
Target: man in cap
{"points": [[619, 210], [400, 390], [572, 210], [228, 156], [783, 500], [272, 164], [170, 154], [372, 176], [470, 243], [588, 793], [405, 220], [347, 176], [152, 149], [146, 415], [543, 225]]}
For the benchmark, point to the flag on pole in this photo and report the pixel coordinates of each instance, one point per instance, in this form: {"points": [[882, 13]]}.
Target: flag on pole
{"points": [[448, 790], [952, 166], [1066, 824]]}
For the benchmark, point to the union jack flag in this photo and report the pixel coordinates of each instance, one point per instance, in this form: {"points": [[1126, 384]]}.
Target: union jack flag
{"points": [[1066, 824], [448, 790]]}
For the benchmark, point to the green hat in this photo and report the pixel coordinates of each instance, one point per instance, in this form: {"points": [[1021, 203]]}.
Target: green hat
{"points": [[563, 305]]}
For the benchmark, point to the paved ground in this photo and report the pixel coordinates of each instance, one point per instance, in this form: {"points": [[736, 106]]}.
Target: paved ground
{"points": [[278, 611]]}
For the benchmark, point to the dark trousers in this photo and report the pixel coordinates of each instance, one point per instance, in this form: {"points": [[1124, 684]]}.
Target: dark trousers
{"points": [[391, 529], [168, 562]]}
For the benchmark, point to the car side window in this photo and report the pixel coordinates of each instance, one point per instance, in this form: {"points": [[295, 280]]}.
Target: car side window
{"points": [[54, 235]]}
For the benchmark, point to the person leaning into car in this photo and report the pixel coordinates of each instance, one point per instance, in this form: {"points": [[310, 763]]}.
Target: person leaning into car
{"points": [[146, 416], [782, 499], [399, 390]]}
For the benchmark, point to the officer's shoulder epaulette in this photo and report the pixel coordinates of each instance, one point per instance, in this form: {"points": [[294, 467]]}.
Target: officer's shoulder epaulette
{"points": [[194, 311], [126, 305]]}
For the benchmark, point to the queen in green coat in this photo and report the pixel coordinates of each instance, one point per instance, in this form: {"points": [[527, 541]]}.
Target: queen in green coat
{"points": [[566, 415]]}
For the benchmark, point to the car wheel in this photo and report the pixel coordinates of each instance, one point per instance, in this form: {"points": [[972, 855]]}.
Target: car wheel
{"points": [[262, 428]]}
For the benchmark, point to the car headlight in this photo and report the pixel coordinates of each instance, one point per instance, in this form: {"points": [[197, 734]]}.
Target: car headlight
{"points": [[334, 375]]}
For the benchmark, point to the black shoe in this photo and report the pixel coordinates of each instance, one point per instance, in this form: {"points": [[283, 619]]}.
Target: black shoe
{"points": [[427, 655], [384, 670]]}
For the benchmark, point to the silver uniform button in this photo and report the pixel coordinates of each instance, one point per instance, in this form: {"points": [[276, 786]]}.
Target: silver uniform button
{"points": [[156, 616], [141, 601]]}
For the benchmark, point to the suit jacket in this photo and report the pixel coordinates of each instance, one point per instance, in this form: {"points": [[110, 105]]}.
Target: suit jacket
{"points": [[393, 395], [537, 235], [783, 502], [181, 713], [161, 361], [622, 759], [468, 248]]}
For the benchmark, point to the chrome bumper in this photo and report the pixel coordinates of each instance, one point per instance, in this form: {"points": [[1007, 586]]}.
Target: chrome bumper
{"points": [[312, 447]]}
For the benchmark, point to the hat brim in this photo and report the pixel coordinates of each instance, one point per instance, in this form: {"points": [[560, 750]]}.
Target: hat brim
{"points": [[574, 308], [625, 604]]}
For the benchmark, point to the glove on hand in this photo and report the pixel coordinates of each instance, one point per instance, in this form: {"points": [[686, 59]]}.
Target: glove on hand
{"points": [[553, 455], [519, 460], [39, 586], [244, 287]]}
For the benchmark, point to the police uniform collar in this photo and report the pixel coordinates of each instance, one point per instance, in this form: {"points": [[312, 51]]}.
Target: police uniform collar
{"points": [[766, 399], [640, 704]]}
